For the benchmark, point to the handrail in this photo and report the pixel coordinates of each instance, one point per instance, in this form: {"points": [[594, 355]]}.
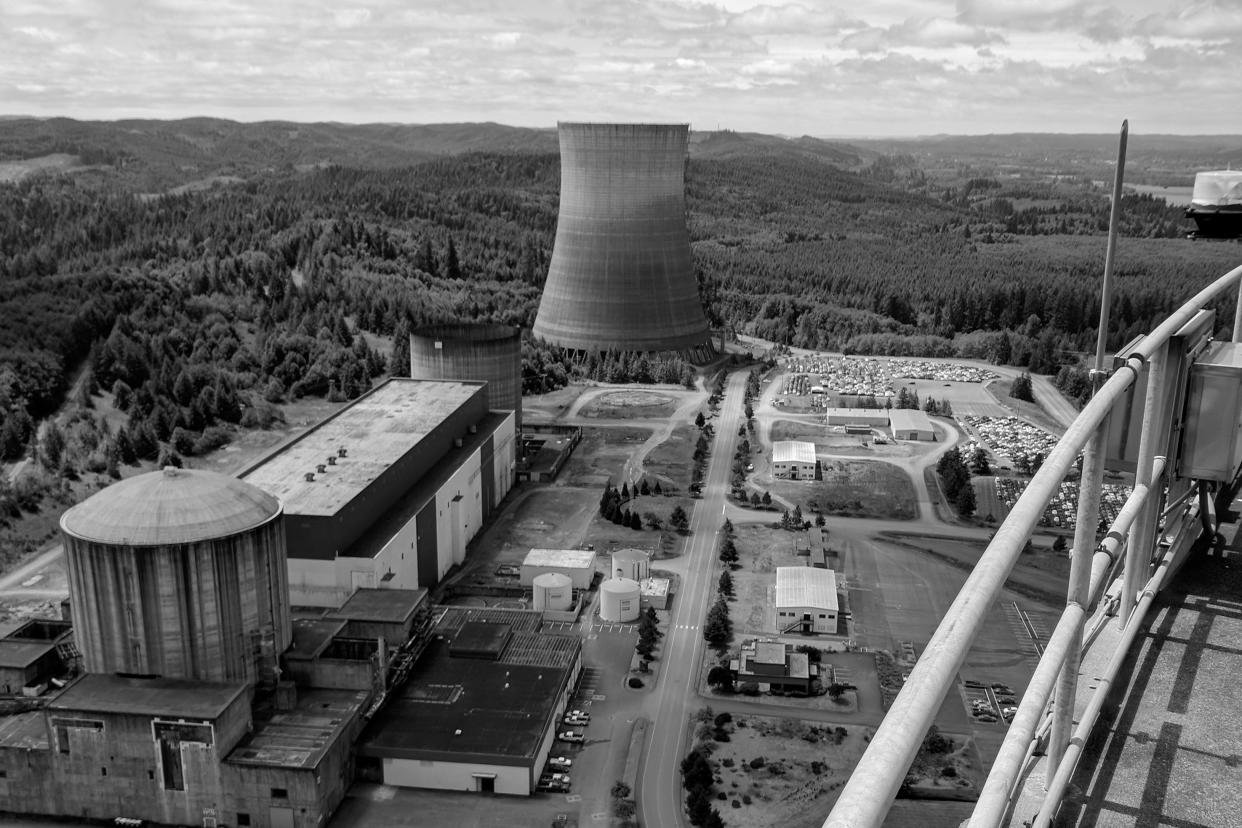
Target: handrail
{"points": [[871, 788]]}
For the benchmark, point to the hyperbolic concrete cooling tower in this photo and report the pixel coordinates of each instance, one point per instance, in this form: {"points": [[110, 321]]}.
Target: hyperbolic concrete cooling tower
{"points": [[621, 276]]}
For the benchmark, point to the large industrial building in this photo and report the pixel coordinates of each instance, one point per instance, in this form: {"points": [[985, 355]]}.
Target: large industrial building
{"points": [[481, 708], [177, 579], [621, 276], [388, 491]]}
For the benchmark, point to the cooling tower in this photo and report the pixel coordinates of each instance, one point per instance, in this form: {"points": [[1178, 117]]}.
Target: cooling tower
{"points": [[179, 573], [492, 353], [621, 276]]}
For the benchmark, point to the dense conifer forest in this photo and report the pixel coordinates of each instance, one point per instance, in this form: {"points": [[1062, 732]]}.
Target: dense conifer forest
{"points": [[241, 286]]}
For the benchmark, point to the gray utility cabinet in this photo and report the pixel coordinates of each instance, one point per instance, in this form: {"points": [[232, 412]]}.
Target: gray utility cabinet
{"points": [[1211, 449]]}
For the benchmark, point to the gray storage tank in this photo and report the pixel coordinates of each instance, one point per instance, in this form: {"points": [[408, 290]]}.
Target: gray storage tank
{"points": [[473, 351], [179, 573]]}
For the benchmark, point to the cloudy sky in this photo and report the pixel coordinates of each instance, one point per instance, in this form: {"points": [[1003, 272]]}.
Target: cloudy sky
{"points": [[817, 67]]}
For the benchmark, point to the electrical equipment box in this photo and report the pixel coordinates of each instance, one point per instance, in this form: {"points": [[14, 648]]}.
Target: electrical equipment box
{"points": [[1126, 421], [1212, 447]]}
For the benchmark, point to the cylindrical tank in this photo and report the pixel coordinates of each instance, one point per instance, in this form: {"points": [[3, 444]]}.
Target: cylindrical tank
{"points": [[621, 275], [630, 563], [618, 600], [179, 573], [553, 591], [472, 352]]}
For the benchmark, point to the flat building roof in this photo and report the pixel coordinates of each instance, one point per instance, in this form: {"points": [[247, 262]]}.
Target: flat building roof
{"points": [[299, 738], [567, 558], [374, 430], [901, 418], [387, 605], [181, 698]]}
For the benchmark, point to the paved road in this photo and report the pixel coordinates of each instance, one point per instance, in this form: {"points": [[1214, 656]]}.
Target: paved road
{"points": [[659, 788]]}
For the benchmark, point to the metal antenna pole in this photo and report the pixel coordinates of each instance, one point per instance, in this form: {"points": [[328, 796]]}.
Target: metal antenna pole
{"points": [[1106, 292], [1089, 485]]}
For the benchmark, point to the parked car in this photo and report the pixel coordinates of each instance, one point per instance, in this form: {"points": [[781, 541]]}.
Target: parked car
{"points": [[576, 713], [570, 736], [560, 762], [561, 778], [552, 787]]}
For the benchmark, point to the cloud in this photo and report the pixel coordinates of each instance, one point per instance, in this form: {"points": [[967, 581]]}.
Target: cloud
{"points": [[929, 33]]}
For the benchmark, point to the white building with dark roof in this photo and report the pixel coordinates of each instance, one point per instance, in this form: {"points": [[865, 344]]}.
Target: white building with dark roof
{"points": [[793, 459], [806, 599]]}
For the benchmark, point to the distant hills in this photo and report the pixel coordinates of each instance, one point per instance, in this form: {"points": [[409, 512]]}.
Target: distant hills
{"points": [[156, 155]]}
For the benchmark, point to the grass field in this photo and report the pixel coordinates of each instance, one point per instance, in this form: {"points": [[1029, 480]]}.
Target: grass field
{"points": [[630, 405], [854, 488], [671, 460], [781, 770], [601, 455]]}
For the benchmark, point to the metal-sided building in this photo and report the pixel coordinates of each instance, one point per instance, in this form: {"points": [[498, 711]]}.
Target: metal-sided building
{"points": [[793, 459], [387, 492], [909, 424], [806, 599], [872, 417]]}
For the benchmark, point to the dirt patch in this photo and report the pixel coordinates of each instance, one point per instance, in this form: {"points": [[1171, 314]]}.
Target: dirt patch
{"points": [[781, 770], [630, 404], [602, 455], [854, 488]]}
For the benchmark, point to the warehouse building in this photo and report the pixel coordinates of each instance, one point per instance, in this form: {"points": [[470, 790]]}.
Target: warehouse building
{"points": [[793, 460], [867, 417], [806, 600], [387, 492], [909, 424], [578, 564], [481, 708]]}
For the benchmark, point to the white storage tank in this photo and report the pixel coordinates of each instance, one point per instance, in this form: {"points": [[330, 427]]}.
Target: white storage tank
{"points": [[553, 591], [631, 563], [619, 599]]}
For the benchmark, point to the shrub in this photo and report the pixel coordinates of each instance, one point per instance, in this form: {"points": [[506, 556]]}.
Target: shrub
{"points": [[749, 688], [635, 682], [757, 763]]}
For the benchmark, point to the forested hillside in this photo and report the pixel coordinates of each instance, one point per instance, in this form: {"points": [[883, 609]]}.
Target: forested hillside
{"points": [[203, 306]]}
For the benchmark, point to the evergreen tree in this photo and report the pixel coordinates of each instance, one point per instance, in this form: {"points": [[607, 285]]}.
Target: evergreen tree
{"points": [[725, 585], [1021, 388], [452, 268], [399, 359], [964, 502]]}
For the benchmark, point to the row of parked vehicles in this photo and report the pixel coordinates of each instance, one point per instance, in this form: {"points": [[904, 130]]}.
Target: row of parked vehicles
{"points": [[555, 777]]}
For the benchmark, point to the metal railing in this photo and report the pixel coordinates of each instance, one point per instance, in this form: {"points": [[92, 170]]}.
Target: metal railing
{"points": [[869, 793]]}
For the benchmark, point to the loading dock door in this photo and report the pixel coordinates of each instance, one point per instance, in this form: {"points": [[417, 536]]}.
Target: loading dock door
{"points": [[484, 782], [280, 817]]}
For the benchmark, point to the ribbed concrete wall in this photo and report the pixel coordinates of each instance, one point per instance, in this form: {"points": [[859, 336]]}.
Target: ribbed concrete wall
{"points": [[492, 353], [198, 610], [621, 275]]}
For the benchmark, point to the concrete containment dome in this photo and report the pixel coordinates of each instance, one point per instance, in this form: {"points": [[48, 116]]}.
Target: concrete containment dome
{"points": [[179, 573], [621, 275], [552, 591], [619, 600], [170, 506], [492, 353]]}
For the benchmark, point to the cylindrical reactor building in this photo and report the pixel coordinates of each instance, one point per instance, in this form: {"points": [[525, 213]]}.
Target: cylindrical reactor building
{"points": [[621, 276], [492, 353], [179, 573]]}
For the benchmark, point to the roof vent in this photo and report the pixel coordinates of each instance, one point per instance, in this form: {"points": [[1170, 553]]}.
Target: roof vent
{"points": [[321, 468], [310, 476], [341, 452], [474, 429], [332, 460], [457, 442]]}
